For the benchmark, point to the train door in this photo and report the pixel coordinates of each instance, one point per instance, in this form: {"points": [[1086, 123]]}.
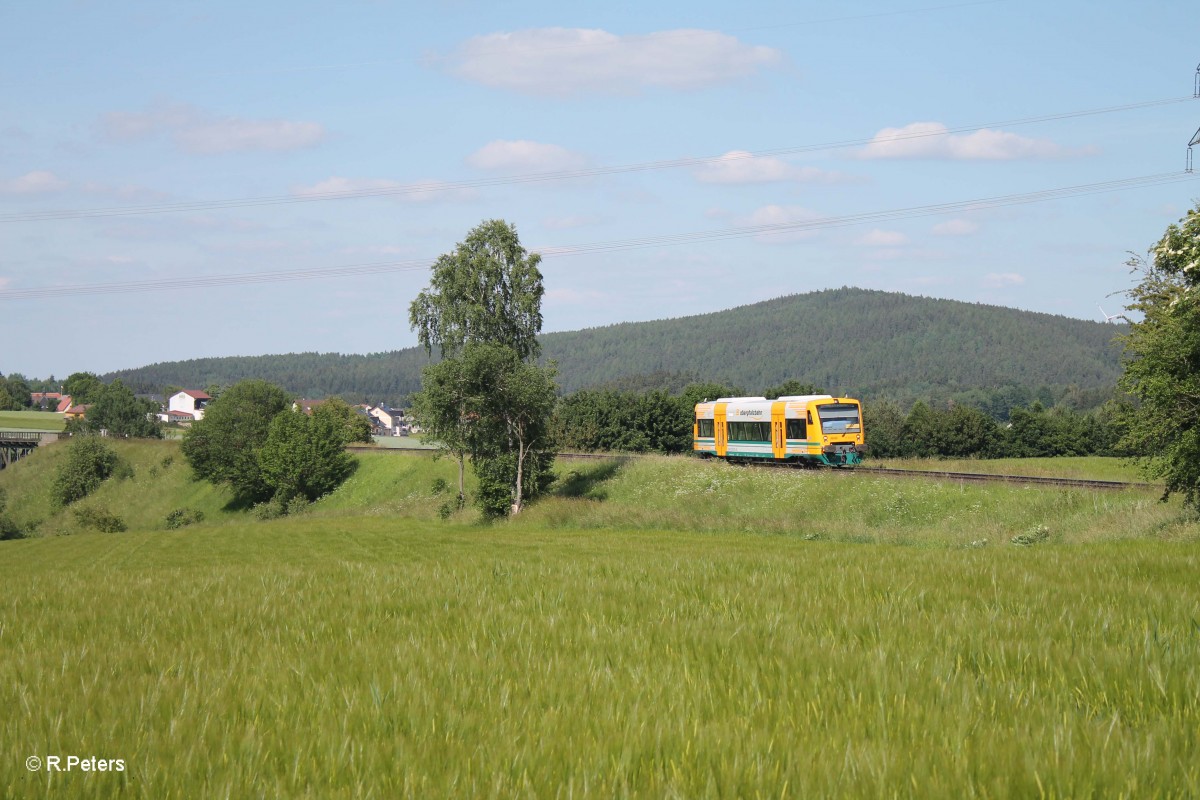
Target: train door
{"points": [[720, 429], [778, 434]]}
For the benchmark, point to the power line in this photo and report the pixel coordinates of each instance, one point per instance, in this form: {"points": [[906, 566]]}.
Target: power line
{"points": [[543, 177], [664, 240]]}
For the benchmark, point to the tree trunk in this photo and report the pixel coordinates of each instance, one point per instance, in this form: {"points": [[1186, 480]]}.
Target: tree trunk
{"points": [[462, 495], [516, 506]]}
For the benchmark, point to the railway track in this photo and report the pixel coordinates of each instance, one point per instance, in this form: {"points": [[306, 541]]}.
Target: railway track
{"points": [[959, 477], [1027, 480]]}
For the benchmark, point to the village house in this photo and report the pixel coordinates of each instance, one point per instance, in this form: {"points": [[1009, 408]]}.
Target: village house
{"points": [[75, 412], [47, 401], [185, 407]]}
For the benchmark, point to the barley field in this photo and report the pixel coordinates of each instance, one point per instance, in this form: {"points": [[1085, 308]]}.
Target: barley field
{"points": [[369, 649]]}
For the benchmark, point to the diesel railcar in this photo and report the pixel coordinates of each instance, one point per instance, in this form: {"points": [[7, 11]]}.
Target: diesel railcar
{"points": [[814, 429]]}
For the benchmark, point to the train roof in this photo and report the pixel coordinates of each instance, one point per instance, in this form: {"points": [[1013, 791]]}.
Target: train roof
{"points": [[790, 398]]}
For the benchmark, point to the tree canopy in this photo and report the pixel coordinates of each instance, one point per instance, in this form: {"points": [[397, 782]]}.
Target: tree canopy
{"points": [[482, 309], [83, 387], [224, 446], [304, 456], [1162, 359], [489, 289], [253, 440], [115, 410]]}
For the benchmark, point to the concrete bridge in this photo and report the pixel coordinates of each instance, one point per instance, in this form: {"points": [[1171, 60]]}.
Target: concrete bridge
{"points": [[15, 445]]}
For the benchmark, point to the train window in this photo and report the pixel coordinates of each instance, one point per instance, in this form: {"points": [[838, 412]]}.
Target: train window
{"points": [[839, 418], [705, 428], [749, 431], [797, 429]]}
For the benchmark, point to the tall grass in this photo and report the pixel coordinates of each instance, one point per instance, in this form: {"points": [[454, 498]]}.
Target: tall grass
{"points": [[383, 658], [687, 494], [654, 628]]}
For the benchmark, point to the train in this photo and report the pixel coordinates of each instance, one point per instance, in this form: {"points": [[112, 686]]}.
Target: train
{"points": [[802, 430]]}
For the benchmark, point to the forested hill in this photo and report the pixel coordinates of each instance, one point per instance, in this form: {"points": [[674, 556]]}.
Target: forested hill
{"points": [[850, 341]]}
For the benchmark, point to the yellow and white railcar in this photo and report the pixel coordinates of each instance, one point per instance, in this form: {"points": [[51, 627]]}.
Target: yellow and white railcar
{"points": [[811, 428]]}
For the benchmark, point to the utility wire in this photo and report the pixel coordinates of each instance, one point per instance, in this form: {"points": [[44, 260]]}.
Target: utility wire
{"points": [[541, 177], [664, 240]]}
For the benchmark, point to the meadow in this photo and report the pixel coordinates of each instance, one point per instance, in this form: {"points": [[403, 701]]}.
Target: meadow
{"points": [[655, 628], [31, 420]]}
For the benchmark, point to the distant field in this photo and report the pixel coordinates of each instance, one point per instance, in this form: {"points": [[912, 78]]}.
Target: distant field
{"points": [[662, 627], [32, 420]]}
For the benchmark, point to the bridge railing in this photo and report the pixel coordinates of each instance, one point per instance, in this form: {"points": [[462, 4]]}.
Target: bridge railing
{"points": [[21, 436]]}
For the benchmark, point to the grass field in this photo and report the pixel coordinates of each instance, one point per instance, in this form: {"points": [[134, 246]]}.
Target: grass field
{"points": [[31, 420], [658, 628]]}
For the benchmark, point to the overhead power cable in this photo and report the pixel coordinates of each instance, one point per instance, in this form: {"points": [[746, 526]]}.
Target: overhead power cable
{"points": [[542, 177], [664, 240]]}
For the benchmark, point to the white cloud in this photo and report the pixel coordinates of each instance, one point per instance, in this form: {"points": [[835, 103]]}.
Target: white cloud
{"points": [[524, 155], [561, 61], [881, 238], [36, 182], [783, 218], [421, 191], [200, 132], [955, 227], [932, 140], [1002, 280], [740, 166]]}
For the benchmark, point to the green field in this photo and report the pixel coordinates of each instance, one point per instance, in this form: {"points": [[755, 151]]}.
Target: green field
{"points": [[658, 628], [31, 420]]}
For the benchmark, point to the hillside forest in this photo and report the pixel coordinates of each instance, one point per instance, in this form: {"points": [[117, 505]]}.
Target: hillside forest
{"points": [[869, 344]]}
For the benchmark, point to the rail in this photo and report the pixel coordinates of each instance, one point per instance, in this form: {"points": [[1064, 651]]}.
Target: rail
{"points": [[1029, 480]]}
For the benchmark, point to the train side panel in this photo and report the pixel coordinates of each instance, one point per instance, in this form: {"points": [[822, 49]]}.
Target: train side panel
{"points": [[814, 429]]}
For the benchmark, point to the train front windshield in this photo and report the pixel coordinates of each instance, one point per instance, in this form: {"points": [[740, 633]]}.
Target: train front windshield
{"points": [[839, 418]]}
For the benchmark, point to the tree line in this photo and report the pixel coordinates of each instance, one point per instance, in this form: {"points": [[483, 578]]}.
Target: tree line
{"points": [[658, 421]]}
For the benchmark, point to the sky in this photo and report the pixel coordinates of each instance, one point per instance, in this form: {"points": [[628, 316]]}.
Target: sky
{"points": [[193, 179]]}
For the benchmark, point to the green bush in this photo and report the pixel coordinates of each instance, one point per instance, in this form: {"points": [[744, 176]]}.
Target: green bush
{"points": [[274, 508], [181, 517], [297, 505], [89, 463], [1035, 535], [99, 518], [9, 529]]}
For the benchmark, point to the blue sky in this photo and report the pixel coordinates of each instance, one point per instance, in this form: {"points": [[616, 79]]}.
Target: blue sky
{"points": [[695, 156]]}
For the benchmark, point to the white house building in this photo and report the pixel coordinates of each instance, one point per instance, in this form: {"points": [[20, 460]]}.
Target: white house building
{"points": [[186, 405]]}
